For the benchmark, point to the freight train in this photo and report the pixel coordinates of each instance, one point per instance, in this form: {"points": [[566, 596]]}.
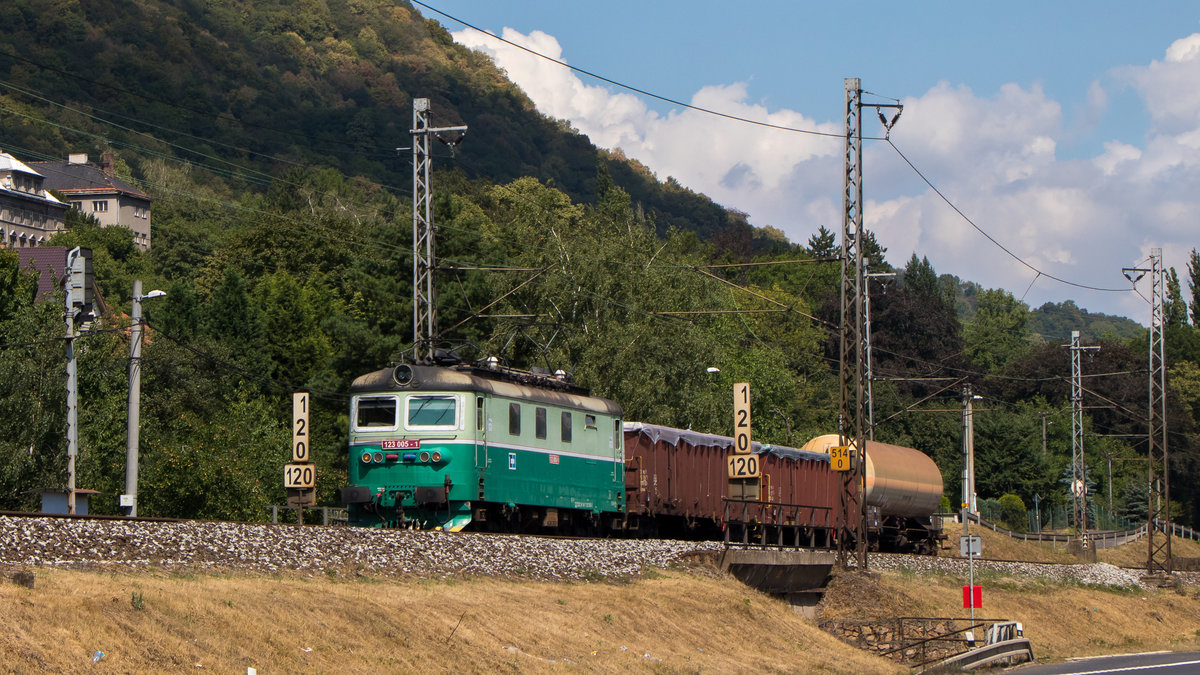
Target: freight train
{"points": [[489, 448]]}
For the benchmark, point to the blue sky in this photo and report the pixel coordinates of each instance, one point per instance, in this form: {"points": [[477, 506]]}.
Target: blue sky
{"points": [[1069, 131]]}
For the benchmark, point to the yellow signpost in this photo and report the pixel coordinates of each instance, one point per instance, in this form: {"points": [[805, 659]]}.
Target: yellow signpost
{"points": [[300, 477], [839, 457], [743, 464]]}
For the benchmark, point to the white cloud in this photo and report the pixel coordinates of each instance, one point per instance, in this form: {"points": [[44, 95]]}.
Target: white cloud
{"points": [[993, 155], [1116, 153]]}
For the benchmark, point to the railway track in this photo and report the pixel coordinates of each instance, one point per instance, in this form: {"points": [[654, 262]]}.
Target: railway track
{"points": [[36, 539]]}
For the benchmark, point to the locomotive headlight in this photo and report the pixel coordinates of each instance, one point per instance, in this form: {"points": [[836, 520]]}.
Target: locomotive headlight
{"points": [[436, 456], [378, 457], [366, 458], [424, 456]]}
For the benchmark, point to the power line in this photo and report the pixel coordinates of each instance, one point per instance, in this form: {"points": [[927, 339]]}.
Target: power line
{"points": [[615, 83], [989, 237]]}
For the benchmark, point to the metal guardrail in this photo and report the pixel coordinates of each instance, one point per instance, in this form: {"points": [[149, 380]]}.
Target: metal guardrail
{"points": [[1184, 532], [1010, 651], [1097, 539]]}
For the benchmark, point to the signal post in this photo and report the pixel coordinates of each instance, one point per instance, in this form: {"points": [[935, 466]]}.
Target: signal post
{"points": [[300, 477], [744, 469]]}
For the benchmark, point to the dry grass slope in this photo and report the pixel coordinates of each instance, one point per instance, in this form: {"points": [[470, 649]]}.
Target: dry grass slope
{"points": [[689, 619], [669, 621]]}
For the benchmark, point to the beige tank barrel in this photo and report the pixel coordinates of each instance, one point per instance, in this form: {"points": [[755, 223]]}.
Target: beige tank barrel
{"points": [[900, 481]]}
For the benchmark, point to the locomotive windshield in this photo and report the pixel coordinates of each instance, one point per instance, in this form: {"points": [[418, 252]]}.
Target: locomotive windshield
{"points": [[432, 411], [376, 412]]}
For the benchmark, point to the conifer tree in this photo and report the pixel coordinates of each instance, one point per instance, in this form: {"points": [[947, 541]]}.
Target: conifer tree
{"points": [[1194, 285], [1175, 309]]}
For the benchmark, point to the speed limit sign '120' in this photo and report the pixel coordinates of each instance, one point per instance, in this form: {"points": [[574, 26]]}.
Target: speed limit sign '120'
{"points": [[303, 476], [743, 466]]}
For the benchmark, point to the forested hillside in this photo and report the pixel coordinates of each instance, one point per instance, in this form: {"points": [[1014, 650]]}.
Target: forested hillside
{"points": [[266, 133]]}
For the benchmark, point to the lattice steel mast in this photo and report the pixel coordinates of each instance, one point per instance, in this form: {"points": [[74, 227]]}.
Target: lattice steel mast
{"points": [[1078, 460], [852, 413], [1158, 493], [1159, 508], [853, 410], [424, 260]]}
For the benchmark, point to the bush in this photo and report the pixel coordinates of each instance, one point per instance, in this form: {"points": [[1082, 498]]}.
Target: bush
{"points": [[1013, 513]]}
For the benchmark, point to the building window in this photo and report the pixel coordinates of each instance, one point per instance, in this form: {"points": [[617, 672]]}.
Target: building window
{"points": [[78, 206], [100, 207]]}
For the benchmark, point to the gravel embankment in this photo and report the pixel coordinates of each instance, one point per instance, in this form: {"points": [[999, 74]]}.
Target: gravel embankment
{"points": [[1094, 574], [117, 544], [78, 543]]}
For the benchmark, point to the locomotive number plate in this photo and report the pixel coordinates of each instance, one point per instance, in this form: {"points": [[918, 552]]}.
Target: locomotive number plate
{"points": [[743, 466], [406, 444]]}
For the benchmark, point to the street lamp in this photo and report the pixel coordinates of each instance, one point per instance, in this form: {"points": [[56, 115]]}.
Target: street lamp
{"points": [[133, 424]]}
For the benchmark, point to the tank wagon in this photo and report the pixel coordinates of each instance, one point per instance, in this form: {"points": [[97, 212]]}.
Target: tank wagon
{"points": [[484, 447], [904, 490]]}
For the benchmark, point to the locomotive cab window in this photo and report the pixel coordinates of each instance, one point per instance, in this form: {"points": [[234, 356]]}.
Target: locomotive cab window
{"points": [[431, 412], [376, 412]]}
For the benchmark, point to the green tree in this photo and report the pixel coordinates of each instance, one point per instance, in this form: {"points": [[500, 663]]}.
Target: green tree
{"points": [[291, 313], [1175, 310], [997, 332], [1194, 284], [32, 404], [230, 318], [17, 288], [221, 467], [823, 244]]}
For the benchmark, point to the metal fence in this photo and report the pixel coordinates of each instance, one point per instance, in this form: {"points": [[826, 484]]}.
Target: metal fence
{"points": [[328, 515], [1098, 538]]}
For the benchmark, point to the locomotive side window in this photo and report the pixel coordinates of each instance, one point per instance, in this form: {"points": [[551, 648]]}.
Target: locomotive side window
{"points": [[479, 413], [566, 427], [432, 412], [514, 419], [376, 412], [539, 423], [589, 421]]}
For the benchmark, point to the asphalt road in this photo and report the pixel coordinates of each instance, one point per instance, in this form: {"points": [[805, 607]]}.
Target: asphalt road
{"points": [[1155, 663]]}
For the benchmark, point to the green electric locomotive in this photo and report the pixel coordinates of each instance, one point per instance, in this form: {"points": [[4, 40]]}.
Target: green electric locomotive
{"points": [[482, 447]]}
